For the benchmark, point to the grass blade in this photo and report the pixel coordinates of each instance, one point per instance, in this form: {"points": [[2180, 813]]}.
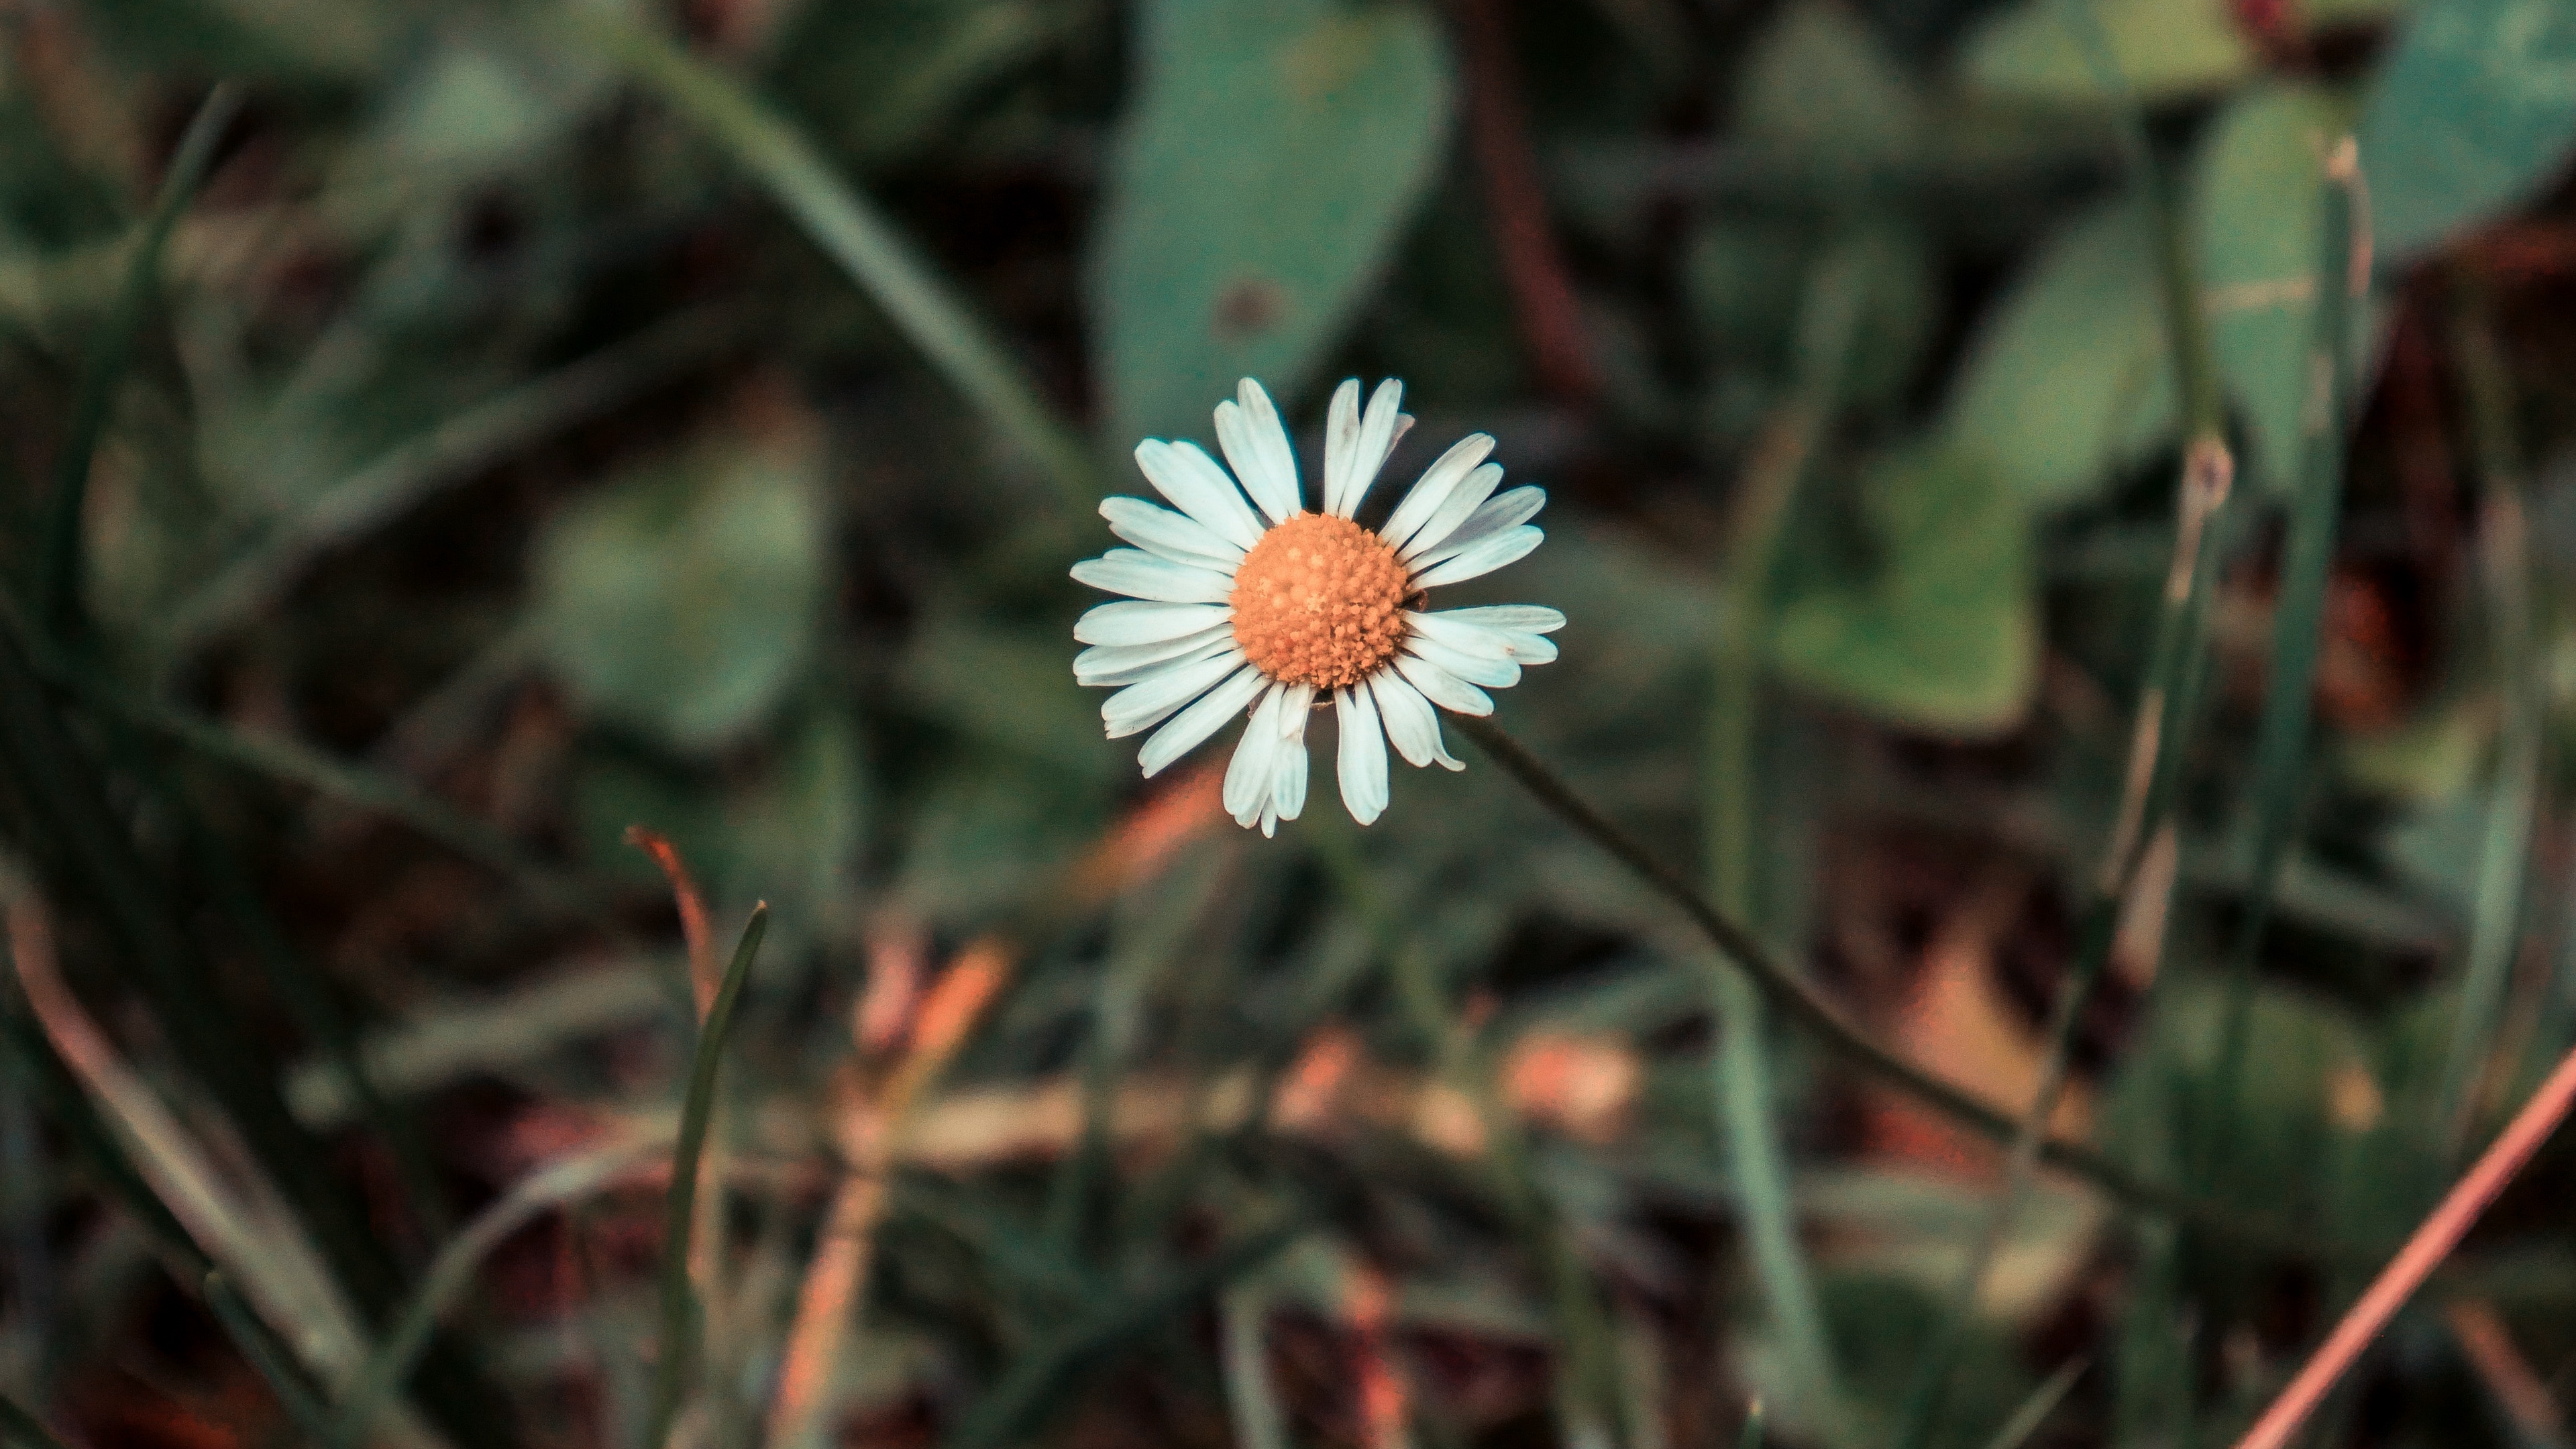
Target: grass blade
{"points": [[23, 1430], [1250, 1398], [58, 597], [679, 1302], [452, 1272], [1747, 1105], [2281, 737], [849, 228], [2034, 1411], [2504, 551]]}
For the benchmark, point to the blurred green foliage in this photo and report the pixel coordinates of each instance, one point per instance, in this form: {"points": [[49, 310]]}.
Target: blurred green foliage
{"points": [[564, 436]]}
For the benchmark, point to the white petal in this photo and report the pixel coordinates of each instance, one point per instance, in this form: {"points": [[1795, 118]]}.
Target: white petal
{"points": [[1145, 623], [1341, 443], [1288, 779], [1496, 671], [1104, 665], [1412, 726], [1385, 423], [1362, 762], [1442, 687], [1199, 488], [1518, 506], [1444, 474], [1256, 756], [1140, 706], [1464, 635], [1175, 536], [1269, 467], [1201, 720], [1140, 575], [1481, 558], [1532, 649], [1517, 618], [1463, 500]]}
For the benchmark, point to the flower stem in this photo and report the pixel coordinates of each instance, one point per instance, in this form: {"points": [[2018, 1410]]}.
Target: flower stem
{"points": [[1802, 1003]]}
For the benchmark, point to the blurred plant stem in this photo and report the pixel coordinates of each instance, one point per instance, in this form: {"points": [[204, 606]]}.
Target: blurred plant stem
{"points": [[1587, 1387], [2281, 739], [22, 1430], [2168, 701], [58, 601], [848, 227], [1747, 1101], [2504, 556]]}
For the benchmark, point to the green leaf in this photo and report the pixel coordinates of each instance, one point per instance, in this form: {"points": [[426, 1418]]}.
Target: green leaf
{"points": [[1819, 83], [2166, 49], [682, 603], [2067, 379], [2256, 189], [2474, 112], [1275, 149], [1944, 634]]}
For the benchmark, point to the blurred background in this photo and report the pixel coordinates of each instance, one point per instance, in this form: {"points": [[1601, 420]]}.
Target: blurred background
{"points": [[2075, 563]]}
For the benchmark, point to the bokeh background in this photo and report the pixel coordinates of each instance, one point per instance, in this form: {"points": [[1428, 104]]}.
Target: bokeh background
{"points": [[438, 437]]}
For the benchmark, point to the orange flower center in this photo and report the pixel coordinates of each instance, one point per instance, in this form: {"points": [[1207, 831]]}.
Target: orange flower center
{"points": [[1319, 601]]}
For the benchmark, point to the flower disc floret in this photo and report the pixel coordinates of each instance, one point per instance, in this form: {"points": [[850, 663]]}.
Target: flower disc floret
{"points": [[1320, 601]]}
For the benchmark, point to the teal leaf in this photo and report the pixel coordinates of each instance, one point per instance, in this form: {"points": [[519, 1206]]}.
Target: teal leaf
{"points": [[2257, 189], [1943, 632], [2474, 112], [2067, 379], [2165, 49], [682, 602], [1273, 152]]}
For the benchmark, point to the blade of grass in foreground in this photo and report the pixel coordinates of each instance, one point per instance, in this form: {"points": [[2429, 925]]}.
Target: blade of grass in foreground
{"points": [[849, 228], [679, 1303], [58, 599], [251, 1336], [1747, 1106], [2281, 739]]}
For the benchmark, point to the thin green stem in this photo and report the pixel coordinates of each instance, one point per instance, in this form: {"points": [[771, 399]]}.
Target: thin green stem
{"points": [[241, 1321], [2281, 738], [58, 599], [1747, 1100], [850, 229], [1803, 1004], [680, 1308]]}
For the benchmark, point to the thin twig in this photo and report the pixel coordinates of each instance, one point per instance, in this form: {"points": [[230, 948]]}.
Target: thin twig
{"points": [[1543, 301], [2432, 1241]]}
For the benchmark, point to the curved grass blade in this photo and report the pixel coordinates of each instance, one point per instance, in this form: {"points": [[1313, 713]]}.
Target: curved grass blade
{"points": [[58, 597], [679, 1303], [452, 1272], [23, 1430], [849, 228]]}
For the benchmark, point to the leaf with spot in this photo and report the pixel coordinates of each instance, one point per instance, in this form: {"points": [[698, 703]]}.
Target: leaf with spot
{"points": [[1272, 154], [2257, 191]]}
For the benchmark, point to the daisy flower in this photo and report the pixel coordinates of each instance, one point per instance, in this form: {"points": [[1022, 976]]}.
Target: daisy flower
{"points": [[1244, 600]]}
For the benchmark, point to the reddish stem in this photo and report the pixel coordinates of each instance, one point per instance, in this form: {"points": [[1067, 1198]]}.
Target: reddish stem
{"points": [[1543, 303], [2433, 1240]]}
